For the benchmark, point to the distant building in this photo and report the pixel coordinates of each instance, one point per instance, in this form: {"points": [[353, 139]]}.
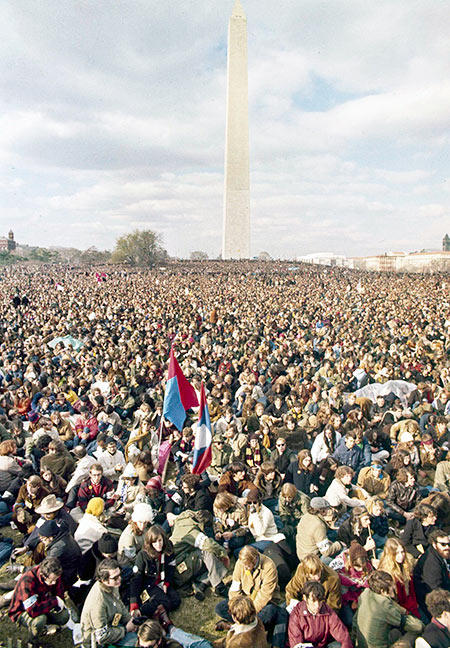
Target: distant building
{"points": [[8, 243], [325, 258], [446, 243], [402, 262]]}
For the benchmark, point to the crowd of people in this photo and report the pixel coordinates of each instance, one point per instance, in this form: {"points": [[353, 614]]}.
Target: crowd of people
{"points": [[323, 518]]}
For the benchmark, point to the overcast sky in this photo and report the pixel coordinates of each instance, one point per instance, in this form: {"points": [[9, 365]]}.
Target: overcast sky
{"points": [[113, 118]]}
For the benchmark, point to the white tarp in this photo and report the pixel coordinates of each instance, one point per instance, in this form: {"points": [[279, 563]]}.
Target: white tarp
{"points": [[400, 388]]}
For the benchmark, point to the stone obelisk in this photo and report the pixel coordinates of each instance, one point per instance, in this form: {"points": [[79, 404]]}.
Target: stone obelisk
{"points": [[236, 216]]}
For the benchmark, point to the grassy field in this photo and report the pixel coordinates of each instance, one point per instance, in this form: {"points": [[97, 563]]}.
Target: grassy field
{"points": [[193, 616]]}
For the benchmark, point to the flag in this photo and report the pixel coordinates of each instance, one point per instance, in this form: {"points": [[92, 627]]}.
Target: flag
{"points": [[179, 395], [203, 438]]}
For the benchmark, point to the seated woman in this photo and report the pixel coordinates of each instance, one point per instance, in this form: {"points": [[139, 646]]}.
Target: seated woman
{"points": [[379, 522], [54, 483], [303, 474], [132, 537], [399, 565], [9, 470], [235, 480], [357, 527], [268, 481], [254, 454], [230, 522], [28, 499], [312, 568], [416, 531], [153, 573], [128, 489], [353, 567]]}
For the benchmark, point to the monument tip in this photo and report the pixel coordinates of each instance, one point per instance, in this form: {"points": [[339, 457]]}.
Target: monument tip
{"points": [[238, 10]]}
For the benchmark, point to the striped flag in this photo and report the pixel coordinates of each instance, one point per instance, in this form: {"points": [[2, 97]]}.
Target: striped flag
{"points": [[203, 438], [179, 395]]}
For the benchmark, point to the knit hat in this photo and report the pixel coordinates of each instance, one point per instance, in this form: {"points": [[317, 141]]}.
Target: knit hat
{"points": [[319, 503], [95, 506], [49, 529], [108, 544], [405, 437], [142, 513], [357, 552], [154, 482]]}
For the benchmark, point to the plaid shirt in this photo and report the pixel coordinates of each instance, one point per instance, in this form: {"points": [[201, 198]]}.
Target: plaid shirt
{"points": [[86, 491], [32, 595]]}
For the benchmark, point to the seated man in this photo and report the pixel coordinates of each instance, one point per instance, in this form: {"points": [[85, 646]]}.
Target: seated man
{"points": [[248, 630], [432, 569], [381, 621], [255, 575], [97, 485], [313, 622], [437, 633], [34, 603], [104, 614]]}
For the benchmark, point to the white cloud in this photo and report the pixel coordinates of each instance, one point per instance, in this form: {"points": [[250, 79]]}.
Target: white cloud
{"points": [[112, 117]]}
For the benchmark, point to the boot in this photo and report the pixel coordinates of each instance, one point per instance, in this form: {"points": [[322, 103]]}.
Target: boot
{"points": [[199, 591], [7, 586], [160, 614]]}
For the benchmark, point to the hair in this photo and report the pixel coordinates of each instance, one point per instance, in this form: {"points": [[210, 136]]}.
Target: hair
{"points": [[104, 567], [242, 609], [381, 582], [434, 535], [288, 490], [422, 511], [312, 565], [356, 514], [330, 443], [96, 466], [314, 590], [249, 556], [35, 480], [438, 602], [267, 467], [7, 447], [190, 480], [56, 445], [80, 451], [403, 475], [254, 496], [152, 536], [370, 503], [237, 466], [341, 471], [50, 566], [301, 457], [224, 501], [400, 573], [150, 630], [398, 457]]}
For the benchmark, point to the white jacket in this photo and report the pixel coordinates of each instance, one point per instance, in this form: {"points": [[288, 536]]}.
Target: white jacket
{"points": [[81, 471], [109, 463], [89, 530], [337, 494], [319, 449], [262, 526]]}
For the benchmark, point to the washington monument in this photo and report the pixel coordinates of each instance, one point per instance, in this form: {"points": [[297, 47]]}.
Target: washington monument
{"points": [[236, 210]]}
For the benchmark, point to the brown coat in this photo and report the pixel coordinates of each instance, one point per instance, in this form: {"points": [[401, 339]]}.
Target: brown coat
{"points": [[329, 579], [261, 584], [240, 637]]}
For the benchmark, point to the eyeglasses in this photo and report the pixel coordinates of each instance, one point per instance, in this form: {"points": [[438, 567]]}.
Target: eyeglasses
{"points": [[281, 445], [443, 544]]}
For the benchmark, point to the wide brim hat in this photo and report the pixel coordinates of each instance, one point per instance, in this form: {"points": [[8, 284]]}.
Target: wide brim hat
{"points": [[50, 504]]}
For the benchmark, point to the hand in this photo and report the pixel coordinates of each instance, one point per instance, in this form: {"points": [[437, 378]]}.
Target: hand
{"points": [[227, 535], [135, 613], [165, 588], [225, 561], [370, 544], [130, 627], [409, 515], [19, 551]]}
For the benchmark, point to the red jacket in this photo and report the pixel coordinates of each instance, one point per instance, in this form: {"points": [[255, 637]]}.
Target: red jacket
{"points": [[91, 423], [319, 629]]}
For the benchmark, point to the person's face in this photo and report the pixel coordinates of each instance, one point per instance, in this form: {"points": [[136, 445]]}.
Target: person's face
{"points": [[96, 476], [281, 445], [313, 605], [51, 579], [239, 476], [46, 475], [270, 476], [111, 448], [114, 578], [306, 462], [32, 489], [254, 443], [376, 509], [158, 544], [411, 480], [400, 555], [141, 525], [442, 546], [346, 479], [350, 442], [430, 520], [365, 521]]}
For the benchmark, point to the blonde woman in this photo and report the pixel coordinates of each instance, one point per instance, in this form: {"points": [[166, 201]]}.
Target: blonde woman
{"points": [[397, 562]]}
